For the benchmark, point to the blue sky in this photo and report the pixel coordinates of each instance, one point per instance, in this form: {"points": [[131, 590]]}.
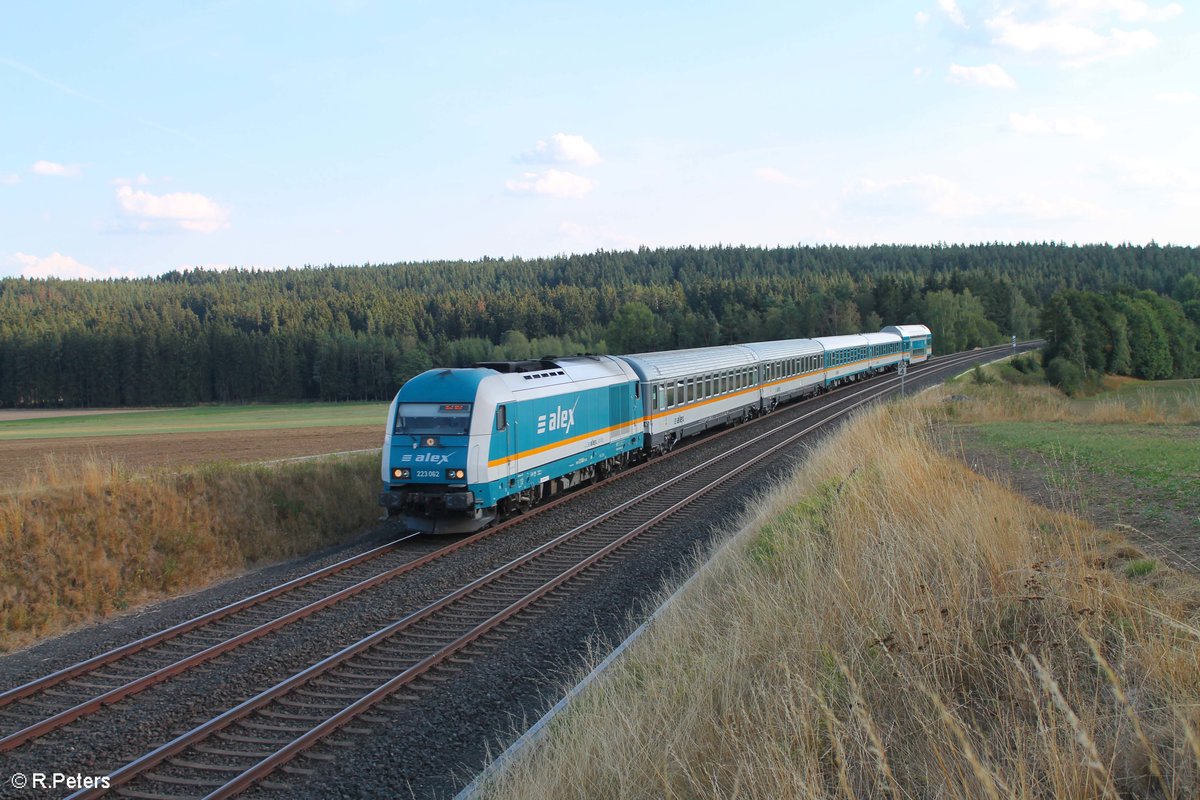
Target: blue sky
{"points": [[137, 138]]}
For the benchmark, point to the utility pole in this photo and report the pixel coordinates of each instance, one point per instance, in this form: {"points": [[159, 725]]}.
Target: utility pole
{"points": [[903, 370]]}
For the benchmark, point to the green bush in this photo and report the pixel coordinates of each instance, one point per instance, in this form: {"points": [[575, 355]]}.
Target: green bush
{"points": [[1065, 374]]}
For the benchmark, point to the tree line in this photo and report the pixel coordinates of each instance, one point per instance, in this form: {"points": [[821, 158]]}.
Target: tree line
{"points": [[1140, 334], [356, 333]]}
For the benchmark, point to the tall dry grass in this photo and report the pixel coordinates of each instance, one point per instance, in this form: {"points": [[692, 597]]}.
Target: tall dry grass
{"points": [[83, 541], [891, 625], [1009, 403]]}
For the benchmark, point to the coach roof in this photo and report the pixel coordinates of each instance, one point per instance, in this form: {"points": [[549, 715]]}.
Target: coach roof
{"points": [[787, 348], [840, 342], [882, 338], [908, 331], [681, 363]]}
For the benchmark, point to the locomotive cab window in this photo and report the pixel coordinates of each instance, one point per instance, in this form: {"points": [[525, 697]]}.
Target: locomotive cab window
{"points": [[418, 419], [501, 418]]}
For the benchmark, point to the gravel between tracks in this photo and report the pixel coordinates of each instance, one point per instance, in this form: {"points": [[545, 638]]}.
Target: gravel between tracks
{"points": [[427, 745]]}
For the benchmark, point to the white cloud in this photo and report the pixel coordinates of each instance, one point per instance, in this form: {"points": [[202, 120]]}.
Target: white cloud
{"points": [[778, 177], [931, 193], [552, 182], [927, 194], [1043, 208], [188, 210], [141, 180], [922, 17], [1127, 10], [1149, 173], [56, 265], [9, 180], [51, 168], [1069, 37], [563, 148], [992, 75], [1176, 98], [583, 237], [953, 12], [1062, 126]]}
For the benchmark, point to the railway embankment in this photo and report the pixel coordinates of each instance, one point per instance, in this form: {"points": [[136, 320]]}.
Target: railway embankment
{"points": [[892, 623], [84, 542]]}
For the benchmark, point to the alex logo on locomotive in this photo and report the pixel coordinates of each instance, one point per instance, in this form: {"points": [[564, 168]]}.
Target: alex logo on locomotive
{"points": [[428, 458], [562, 419]]}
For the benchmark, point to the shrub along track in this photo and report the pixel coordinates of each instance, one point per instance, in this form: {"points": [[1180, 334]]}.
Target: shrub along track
{"points": [[375, 667]]}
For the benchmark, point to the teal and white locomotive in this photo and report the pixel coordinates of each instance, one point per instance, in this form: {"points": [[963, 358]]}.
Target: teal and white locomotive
{"points": [[465, 447]]}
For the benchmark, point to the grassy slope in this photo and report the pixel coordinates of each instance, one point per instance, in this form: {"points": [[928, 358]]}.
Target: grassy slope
{"points": [[198, 419], [93, 540], [892, 624]]}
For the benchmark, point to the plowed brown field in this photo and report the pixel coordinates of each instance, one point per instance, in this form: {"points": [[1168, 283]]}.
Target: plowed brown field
{"points": [[25, 457]]}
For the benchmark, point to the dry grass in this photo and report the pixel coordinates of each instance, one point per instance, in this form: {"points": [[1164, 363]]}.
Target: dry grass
{"points": [[82, 542], [1007, 403], [904, 629]]}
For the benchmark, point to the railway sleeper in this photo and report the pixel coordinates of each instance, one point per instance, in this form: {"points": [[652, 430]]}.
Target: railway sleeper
{"points": [[99, 687], [176, 780], [184, 763], [269, 714], [257, 755], [290, 703], [351, 686], [291, 730], [274, 744], [326, 695], [125, 791], [292, 769]]}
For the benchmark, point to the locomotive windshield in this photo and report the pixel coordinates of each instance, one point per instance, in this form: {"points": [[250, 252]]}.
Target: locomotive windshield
{"points": [[419, 419]]}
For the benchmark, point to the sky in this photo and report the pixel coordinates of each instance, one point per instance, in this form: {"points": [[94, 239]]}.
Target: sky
{"points": [[142, 137]]}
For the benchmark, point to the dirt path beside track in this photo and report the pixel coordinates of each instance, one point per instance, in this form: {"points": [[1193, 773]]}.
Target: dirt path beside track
{"points": [[23, 457]]}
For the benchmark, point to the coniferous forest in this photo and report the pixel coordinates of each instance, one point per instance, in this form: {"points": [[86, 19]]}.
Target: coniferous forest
{"points": [[356, 333]]}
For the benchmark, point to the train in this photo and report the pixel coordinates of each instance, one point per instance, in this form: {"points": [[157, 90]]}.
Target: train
{"points": [[465, 447]]}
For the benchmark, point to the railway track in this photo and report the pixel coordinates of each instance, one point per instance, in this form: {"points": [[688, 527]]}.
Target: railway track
{"points": [[245, 744]]}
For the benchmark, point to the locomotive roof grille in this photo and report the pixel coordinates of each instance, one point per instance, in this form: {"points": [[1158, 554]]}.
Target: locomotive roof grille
{"points": [[533, 365]]}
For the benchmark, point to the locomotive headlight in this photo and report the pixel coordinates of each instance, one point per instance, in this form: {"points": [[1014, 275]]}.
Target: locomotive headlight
{"points": [[401, 472], [455, 474]]}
